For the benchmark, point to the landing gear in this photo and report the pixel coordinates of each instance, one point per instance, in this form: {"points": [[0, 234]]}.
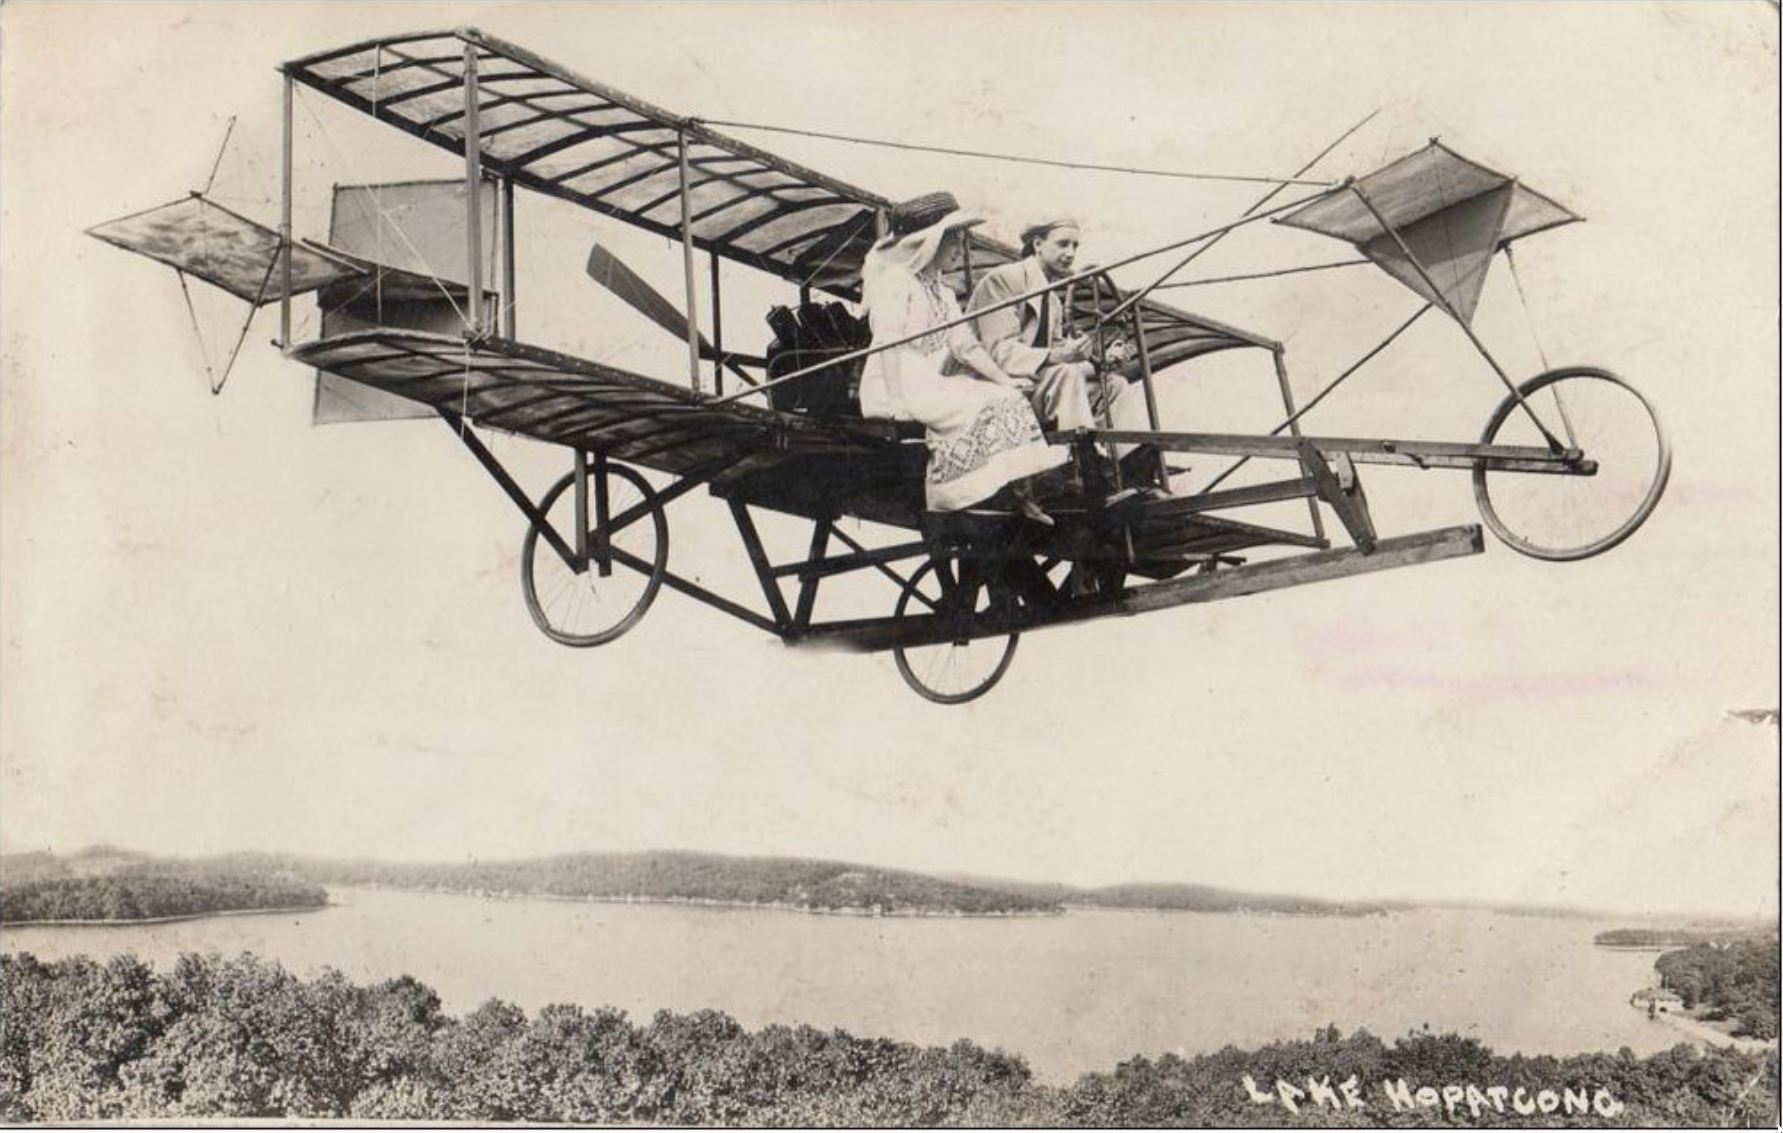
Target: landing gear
{"points": [[1567, 516], [605, 553], [963, 669]]}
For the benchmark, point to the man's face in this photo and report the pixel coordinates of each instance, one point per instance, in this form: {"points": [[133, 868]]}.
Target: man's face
{"points": [[1057, 251]]}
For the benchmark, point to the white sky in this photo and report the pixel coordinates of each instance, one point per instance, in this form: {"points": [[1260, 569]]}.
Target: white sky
{"points": [[225, 629]]}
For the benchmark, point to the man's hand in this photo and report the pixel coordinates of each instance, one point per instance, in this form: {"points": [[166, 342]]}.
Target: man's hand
{"points": [[998, 377], [1068, 350]]}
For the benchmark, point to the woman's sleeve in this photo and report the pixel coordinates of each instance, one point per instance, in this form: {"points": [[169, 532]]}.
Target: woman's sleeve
{"points": [[961, 339], [965, 349]]}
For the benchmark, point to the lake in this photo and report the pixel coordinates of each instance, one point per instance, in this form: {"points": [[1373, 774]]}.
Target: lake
{"points": [[1071, 993]]}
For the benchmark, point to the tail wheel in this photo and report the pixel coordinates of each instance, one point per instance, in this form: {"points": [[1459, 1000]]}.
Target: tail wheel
{"points": [[1566, 516], [957, 671], [593, 597]]}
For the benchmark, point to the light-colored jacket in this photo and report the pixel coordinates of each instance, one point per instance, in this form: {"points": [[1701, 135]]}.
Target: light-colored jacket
{"points": [[1010, 334]]}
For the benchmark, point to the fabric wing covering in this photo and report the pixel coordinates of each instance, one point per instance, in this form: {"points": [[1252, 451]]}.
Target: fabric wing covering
{"points": [[516, 388], [1452, 214], [410, 238], [567, 136], [203, 239]]}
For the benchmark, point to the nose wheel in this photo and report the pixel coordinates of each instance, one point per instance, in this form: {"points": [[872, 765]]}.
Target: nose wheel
{"points": [[1624, 457]]}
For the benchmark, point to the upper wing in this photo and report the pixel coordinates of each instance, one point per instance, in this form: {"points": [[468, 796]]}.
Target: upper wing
{"points": [[569, 137]]}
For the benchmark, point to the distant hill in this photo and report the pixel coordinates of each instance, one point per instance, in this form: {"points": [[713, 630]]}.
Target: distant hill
{"points": [[673, 875], [1207, 899], [1177, 897], [109, 882]]}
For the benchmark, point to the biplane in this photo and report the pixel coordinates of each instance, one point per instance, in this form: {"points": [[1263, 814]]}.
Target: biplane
{"points": [[1570, 463]]}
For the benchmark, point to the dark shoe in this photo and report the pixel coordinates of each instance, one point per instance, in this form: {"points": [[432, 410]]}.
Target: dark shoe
{"points": [[1079, 583], [1028, 509]]}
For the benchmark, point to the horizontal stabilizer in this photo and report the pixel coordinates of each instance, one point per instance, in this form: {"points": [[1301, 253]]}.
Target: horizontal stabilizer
{"points": [[203, 239]]}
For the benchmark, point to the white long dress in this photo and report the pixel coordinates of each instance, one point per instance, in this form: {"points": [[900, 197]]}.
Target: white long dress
{"points": [[981, 436]]}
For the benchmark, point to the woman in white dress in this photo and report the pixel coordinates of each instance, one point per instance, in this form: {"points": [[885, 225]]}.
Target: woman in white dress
{"points": [[981, 430]]}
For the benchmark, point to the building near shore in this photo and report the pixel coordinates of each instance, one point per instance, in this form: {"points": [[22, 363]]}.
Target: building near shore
{"points": [[1658, 1000]]}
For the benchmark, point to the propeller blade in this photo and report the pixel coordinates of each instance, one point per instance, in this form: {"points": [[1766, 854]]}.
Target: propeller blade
{"points": [[611, 273]]}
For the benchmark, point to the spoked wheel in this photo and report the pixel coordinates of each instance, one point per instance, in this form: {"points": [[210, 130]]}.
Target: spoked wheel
{"points": [[1568, 516], [952, 672], [596, 599]]}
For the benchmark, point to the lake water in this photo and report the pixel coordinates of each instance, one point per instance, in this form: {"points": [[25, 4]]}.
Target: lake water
{"points": [[1071, 993]]}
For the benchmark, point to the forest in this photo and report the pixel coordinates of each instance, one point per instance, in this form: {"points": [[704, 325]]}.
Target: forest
{"points": [[111, 886], [1734, 982], [809, 884], [798, 882], [802, 883], [1679, 937], [240, 1037]]}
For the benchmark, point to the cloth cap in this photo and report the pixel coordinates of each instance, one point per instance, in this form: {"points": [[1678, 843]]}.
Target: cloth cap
{"points": [[1036, 230]]}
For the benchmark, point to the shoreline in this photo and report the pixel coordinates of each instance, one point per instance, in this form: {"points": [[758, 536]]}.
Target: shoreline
{"points": [[1063, 909], [1686, 1022], [174, 919], [703, 903], [1706, 1033]]}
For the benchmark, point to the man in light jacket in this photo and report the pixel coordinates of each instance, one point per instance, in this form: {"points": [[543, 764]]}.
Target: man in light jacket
{"points": [[1030, 340]]}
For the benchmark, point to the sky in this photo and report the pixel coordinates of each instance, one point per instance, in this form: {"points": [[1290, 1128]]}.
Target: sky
{"points": [[227, 629]]}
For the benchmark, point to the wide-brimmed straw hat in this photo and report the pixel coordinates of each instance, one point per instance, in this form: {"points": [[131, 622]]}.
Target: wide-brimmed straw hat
{"points": [[928, 215]]}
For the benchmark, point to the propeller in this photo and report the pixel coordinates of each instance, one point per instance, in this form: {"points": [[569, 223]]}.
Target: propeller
{"points": [[611, 272]]}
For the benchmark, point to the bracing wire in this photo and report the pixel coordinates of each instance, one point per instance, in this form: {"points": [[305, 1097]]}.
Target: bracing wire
{"points": [[253, 309], [1014, 158], [221, 150], [1324, 393], [390, 217], [1259, 275], [210, 374], [215, 381], [1528, 315], [841, 244], [385, 214], [1207, 245]]}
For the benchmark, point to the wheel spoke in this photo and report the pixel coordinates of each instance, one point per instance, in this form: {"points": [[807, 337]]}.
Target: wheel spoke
{"points": [[584, 608], [946, 672], [1569, 515]]}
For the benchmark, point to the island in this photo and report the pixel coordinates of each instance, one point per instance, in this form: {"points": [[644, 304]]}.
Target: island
{"points": [[103, 885]]}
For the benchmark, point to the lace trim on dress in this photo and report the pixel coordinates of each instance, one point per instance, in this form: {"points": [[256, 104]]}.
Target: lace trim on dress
{"points": [[930, 295], [1004, 424]]}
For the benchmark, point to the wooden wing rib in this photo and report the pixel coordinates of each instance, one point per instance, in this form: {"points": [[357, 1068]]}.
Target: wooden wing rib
{"points": [[569, 137]]}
